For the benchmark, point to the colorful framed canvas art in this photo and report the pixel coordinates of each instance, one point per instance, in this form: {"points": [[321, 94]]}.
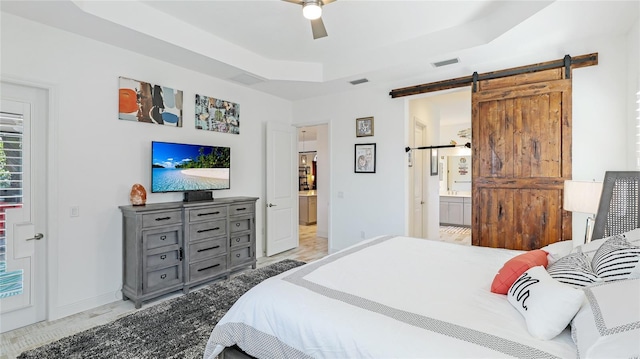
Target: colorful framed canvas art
{"points": [[213, 114], [145, 102]]}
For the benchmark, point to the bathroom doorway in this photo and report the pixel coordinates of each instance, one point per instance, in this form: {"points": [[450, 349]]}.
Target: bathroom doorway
{"points": [[313, 189]]}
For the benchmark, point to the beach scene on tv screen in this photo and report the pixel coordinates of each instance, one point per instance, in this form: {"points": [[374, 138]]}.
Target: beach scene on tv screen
{"points": [[182, 167]]}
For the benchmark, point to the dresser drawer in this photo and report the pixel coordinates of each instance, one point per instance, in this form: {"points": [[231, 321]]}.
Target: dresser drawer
{"points": [[161, 218], [207, 268], [240, 240], [207, 213], [163, 278], [208, 248], [240, 255], [239, 225], [207, 229], [162, 237], [164, 259], [240, 209]]}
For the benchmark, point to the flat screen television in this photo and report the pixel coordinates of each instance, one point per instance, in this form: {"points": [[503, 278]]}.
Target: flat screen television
{"points": [[181, 167]]}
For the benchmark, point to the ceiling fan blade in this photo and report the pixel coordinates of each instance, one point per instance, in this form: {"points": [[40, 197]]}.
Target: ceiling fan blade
{"points": [[318, 29], [299, 2], [325, 2]]}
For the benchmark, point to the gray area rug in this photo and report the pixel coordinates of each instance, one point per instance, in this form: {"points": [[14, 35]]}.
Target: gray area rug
{"points": [[176, 328]]}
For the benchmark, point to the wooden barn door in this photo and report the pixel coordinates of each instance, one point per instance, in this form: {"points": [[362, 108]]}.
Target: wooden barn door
{"points": [[521, 148]]}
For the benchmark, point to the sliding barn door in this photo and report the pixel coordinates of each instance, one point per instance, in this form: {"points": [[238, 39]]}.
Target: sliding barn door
{"points": [[521, 157]]}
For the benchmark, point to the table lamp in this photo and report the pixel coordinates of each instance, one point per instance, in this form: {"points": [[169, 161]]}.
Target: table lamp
{"points": [[583, 197]]}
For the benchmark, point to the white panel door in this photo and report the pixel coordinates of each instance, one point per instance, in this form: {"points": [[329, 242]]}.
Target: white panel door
{"points": [[417, 227], [282, 188], [22, 206]]}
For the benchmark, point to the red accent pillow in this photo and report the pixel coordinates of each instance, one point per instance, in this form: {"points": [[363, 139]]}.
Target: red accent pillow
{"points": [[514, 268]]}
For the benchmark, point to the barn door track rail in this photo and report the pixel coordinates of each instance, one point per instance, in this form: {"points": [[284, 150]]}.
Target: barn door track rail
{"points": [[568, 63]]}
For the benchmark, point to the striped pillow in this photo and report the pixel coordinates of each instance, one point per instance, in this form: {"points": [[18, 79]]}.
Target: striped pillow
{"points": [[573, 269], [617, 259], [633, 237]]}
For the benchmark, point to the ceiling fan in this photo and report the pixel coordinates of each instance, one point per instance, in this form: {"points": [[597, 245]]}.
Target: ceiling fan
{"points": [[312, 10]]}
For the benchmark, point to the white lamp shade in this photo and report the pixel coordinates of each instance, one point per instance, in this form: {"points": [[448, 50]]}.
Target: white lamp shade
{"points": [[582, 197], [311, 10]]}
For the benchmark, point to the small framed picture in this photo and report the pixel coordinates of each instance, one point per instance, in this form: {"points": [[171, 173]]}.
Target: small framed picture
{"points": [[365, 158], [434, 161], [364, 127]]}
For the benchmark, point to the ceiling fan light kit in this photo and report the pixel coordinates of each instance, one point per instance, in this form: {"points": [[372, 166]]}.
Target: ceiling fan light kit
{"points": [[312, 9]]}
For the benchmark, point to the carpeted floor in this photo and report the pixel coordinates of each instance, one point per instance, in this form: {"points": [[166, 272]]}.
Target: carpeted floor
{"points": [[177, 328]]}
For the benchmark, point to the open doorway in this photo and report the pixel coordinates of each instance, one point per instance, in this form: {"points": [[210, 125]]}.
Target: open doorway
{"points": [[440, 191], [313, 190]]}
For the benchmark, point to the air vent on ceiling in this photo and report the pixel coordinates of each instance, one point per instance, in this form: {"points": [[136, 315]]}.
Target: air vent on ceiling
{"points": [[246, 79], [358, 82], [446, 62]]}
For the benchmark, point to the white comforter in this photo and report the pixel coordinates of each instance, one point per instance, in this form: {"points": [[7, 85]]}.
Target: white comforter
{"points": [[390, 297]]}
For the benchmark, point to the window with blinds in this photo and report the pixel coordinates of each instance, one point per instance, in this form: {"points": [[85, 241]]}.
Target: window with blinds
{"points": [[11, 131]]}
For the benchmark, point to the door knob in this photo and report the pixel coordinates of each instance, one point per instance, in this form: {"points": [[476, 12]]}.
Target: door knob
{"points": [[37, 237], [271, 205]]}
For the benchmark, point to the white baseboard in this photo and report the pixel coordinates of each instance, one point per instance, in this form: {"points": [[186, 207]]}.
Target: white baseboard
{"points": [[83, 305], [322, 234]]}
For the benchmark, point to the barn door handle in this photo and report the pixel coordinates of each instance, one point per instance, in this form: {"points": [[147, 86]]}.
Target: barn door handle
{"points": [[37, 237]]}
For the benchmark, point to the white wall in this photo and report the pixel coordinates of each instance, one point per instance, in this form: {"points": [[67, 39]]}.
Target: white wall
{"points": [[601, 119], [600, 112], [633, 74], [362, 204], [99, 157]]}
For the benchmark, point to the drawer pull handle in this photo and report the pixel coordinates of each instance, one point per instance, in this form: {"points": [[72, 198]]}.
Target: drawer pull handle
{"points": [[238, 240], [241, 209], [237, 255], [208, 229], [180, 254], [163, 218], [207, 249], [163, 276], [163, 256], [238, 224], [213, 266], [208, 214], [162, 238]]}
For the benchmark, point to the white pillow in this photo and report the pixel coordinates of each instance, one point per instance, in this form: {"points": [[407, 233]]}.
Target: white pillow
{"points": [[557, 250], [546, 305], [608, 322], [633, 236]]}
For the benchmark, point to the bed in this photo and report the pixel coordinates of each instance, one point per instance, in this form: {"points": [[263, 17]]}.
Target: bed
{"points": [[403, 297]]}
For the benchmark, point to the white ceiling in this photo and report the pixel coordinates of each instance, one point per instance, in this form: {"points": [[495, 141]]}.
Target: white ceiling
{"points": [[391, 43]]}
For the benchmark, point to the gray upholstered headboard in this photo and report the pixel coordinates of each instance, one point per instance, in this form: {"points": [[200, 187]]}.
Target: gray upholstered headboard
{"points": [[619, 204]]}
